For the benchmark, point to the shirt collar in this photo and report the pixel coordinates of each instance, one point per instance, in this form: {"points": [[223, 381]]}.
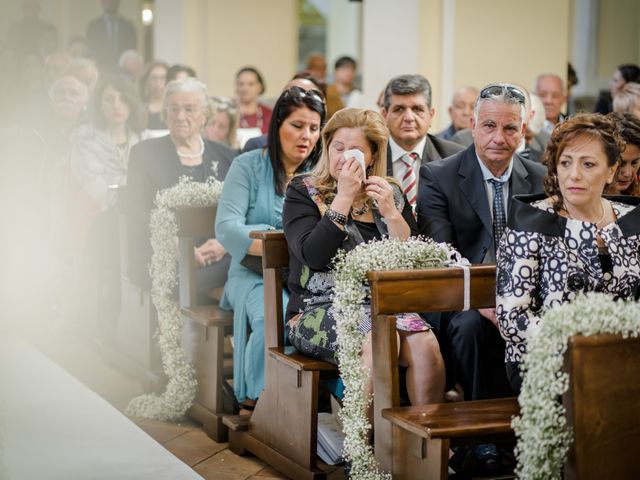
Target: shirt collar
{"points": [[487, 175], [397, 152]]}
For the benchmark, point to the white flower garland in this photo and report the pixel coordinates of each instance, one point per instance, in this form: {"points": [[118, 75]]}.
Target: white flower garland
{"points": [[541, 428], [350, 275], [180, 392]]}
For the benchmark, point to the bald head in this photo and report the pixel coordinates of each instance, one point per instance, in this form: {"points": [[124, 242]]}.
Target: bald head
{"points": [[550, 89]]}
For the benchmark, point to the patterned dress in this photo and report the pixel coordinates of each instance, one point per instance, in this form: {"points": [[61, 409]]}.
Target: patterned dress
{"points": [[313, 242], [545, 260]]}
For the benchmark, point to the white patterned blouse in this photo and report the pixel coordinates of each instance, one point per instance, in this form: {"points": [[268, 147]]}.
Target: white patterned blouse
{"points": [[545, 259]]}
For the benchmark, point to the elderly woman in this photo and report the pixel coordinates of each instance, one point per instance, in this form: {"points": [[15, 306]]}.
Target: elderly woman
{"points": [[252, 199], [159, 163], [626, 181], [569, 240], [622, 75], [338, 206]]}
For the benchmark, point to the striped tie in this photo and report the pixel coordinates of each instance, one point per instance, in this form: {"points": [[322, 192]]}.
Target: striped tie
{"points": [[409, 180]]}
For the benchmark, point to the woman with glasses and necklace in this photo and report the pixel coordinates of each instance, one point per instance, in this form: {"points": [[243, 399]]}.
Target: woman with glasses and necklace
{"points": [[569, 240], [159, 163], [252, 199]]}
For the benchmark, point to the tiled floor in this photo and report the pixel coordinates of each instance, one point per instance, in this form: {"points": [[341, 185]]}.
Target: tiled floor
{"points": [[210, 459]]}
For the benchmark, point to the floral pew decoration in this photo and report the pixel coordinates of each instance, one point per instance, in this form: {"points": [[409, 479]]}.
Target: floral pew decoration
{"points": [[543, 434], [350, 293], [181, 388]]}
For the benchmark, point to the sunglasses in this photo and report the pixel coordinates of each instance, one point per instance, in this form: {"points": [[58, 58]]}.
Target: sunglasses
{"points": [[506, 90], [300, 93]]}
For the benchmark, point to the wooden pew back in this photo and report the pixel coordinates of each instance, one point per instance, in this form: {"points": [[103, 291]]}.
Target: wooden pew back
{"points": [[207, 326], [393, 292], [603, 407], [193, 223]]}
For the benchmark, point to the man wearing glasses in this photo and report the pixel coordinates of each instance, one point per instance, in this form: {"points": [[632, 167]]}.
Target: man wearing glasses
{"points": [[464, 200]]}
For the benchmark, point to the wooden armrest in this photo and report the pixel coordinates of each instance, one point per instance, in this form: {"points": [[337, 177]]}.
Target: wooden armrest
{"points": [[458, 419], [209, 315], [215, 293], [299, 361]]}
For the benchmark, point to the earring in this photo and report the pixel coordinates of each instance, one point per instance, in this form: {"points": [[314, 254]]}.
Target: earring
{"points": [[369, 170]]}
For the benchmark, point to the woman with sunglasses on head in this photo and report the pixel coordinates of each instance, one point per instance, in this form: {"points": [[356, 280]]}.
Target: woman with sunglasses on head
{"points": [[569, 240], [252, 199], [347, 199], [626, 179]]}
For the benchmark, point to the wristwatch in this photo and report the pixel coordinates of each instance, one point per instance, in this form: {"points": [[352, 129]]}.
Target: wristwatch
{"points": [[339, 218]]}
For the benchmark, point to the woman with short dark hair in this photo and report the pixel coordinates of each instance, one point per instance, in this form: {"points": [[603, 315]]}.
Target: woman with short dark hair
{"points": [[569, 240]]}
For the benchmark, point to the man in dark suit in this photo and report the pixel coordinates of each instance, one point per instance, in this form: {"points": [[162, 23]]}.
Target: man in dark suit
{"points": [[109, 35], [408, 113], [464, 201]]}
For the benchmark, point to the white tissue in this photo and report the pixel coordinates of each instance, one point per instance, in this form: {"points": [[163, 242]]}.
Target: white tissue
{"points": [[359, 156]]}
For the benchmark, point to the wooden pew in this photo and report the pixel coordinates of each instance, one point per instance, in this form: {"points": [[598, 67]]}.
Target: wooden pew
{"points": [[136, 351], [603, 407], [209, 322], [417, 439], [283, 428]]}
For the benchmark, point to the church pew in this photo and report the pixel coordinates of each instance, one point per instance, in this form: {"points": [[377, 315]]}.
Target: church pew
{"points": [[205, 332], [282, 430], [396, 429], [603, 407]]}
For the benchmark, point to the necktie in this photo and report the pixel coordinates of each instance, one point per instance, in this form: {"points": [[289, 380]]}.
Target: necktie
{"points": [[499, 217], [409, 180]]}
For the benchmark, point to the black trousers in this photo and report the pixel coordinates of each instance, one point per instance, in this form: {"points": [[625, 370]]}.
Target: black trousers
{"points": [[473, 351]]}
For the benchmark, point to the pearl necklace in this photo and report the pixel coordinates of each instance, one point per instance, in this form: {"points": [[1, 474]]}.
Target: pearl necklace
{"points": [[604, 213], [192, 155]]}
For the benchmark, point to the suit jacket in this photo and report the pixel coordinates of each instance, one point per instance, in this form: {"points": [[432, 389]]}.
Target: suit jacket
{"points": [[537, 146], [452, 201], [153, 166], [434, 149], [107, 52]]}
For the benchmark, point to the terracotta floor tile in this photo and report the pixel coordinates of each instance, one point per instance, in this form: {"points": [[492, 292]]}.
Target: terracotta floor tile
{"points": [[229, 463], [269, 473], [163, 432], [193, 447]]}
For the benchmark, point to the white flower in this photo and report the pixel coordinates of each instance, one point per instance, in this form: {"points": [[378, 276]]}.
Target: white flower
{"points": [[541, 428], [181, 387]]}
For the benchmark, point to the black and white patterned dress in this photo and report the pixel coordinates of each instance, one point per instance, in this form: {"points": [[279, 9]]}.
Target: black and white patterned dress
{"points": [[545, 260]]}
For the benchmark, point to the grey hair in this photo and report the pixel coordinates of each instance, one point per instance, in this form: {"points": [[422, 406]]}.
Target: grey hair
{"points": [[130, 54], [625, 101], [503, 99], [84, 90], [550, 75], [407, 85], [188, 84]]}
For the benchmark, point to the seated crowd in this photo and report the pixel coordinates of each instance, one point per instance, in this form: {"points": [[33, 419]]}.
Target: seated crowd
{"points": [[552, 202]]}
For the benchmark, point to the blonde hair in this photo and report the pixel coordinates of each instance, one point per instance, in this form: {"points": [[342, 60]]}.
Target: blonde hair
{"points": [[627, 100], [376, 133], [217, 105]]}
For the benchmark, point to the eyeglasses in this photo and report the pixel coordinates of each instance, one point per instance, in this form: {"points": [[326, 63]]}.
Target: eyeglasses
{"points": [[507, 90], [301, 93]]}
